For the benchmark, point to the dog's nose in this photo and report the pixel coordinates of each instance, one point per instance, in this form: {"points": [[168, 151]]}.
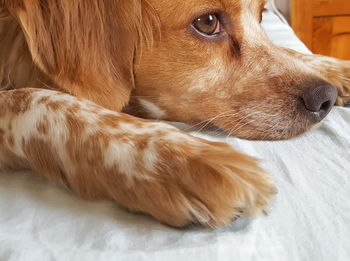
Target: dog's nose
{"points": [[319, 100]]}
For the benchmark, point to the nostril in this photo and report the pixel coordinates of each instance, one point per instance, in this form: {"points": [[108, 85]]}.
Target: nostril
{"points": [[326, 106], [320, 99]]}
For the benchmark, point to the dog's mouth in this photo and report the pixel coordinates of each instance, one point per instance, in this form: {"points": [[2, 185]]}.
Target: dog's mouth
{"points": [[279, 119], [263, 128]]}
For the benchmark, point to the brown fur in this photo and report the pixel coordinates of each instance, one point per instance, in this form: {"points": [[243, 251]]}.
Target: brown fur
{"points": [[142, 52]]}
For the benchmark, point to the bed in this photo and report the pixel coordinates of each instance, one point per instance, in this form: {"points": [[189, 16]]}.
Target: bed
{"points": [[308, 220]]}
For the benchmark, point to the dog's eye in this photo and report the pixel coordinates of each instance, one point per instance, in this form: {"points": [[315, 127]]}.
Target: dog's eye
{"points": [[208, 24]]}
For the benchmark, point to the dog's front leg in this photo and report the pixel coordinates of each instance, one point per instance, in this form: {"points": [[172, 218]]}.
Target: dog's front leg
{"points": [[332, 70], [144, 166]]}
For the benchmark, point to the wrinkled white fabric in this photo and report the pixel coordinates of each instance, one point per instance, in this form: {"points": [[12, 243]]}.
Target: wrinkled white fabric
{"points": [[309, 219]]}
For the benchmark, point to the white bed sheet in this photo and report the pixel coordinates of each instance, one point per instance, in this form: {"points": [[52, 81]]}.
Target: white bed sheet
{"points": [[309, 220]]}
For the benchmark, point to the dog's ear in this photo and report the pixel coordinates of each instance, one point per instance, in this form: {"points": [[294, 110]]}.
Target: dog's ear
{"points": [[86, 46]]}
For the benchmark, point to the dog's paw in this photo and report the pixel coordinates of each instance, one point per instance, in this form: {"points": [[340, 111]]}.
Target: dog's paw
{"points": [[339, 77], [154, 168], [344, 86], [202, 182]]}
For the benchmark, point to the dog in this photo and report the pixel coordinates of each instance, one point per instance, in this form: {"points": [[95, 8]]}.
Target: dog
{"points": [[78, 78]]}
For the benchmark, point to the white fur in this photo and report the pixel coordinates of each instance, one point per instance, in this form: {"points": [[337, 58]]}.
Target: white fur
{"points": [[154, 111]]}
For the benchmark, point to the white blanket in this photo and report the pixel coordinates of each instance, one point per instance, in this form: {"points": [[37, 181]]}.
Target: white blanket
{"points": [[309, 220]]}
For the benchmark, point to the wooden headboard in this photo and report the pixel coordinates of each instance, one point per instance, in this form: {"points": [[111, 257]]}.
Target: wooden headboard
{"points": [[323, 25]]}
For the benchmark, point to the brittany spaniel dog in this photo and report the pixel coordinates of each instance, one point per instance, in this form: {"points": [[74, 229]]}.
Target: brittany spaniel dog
{"points": [[78, 78]]}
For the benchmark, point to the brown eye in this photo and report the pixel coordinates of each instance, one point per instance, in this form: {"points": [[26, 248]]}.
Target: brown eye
{"points": [[208, 24]]}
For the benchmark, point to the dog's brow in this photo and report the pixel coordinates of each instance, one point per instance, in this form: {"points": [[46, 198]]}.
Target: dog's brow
{"points": [[235, 47]]}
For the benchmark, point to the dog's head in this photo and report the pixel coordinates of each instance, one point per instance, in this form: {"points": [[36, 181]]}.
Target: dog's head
{"points": [[212, 62], [197, 61]]}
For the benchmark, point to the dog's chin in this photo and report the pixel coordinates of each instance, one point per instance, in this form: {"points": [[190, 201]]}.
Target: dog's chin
{"points": [[270, 134], [273, 135]]}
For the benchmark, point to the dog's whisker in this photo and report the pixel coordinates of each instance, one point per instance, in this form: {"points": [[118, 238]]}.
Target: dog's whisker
{"points": [[208, 121], [244, 118]]}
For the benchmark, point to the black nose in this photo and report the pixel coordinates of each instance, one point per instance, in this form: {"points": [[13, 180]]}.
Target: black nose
{"points": [[319, 100]]}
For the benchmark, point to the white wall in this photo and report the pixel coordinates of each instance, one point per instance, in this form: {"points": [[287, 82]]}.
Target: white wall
{"points": [[285, 7]]}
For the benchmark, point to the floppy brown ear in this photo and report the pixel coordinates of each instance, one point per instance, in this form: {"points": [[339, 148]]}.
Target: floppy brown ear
{"points": [[86, 46]]}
